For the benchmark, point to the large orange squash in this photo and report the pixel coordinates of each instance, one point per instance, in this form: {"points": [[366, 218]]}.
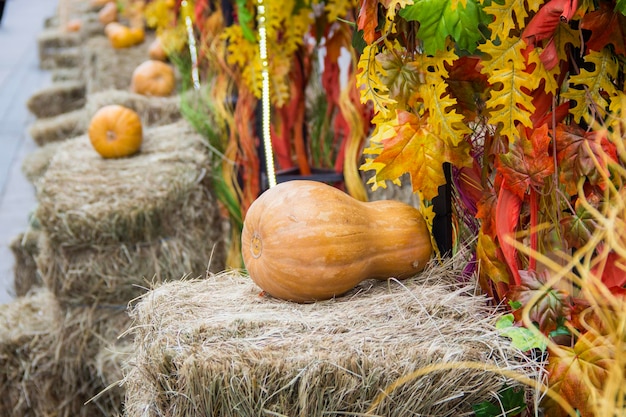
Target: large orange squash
{"points": [[115, 131], [305, 241], [153, 78]]}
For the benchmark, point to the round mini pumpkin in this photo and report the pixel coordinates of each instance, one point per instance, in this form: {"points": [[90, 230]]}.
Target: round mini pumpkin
{"points": [[115, 131], [153, 78], [108, 13], [156, 51], [305, 241], [74, 25]]}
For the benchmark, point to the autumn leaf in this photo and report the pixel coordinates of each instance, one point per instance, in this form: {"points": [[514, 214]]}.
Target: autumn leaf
{"points": [[578, 373], [442, 18], [593, 85], [607, 26], [368, 20], [491, 267], [576, 152], [544, 24], [445, 121], [417, 150], [577, 227], [522, 338], [528, 162], [508, 209], [552, 305], [506, 14], [368, 80], [468, 86], [400, 75]]}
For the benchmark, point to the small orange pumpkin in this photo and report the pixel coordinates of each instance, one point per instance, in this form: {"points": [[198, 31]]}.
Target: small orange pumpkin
{"points": [[108, 13], [122, 36], [153, 78], [115, 131], [305, 241], [156, 51], [74, 25]]}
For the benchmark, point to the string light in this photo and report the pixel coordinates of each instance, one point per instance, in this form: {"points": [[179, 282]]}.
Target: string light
{"points": [[265, 96], [195, 78]]}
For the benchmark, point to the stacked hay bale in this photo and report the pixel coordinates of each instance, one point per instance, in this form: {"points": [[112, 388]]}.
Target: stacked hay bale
{"points": [[107, 229], [47, 365], [103, 231], [221, 347]]}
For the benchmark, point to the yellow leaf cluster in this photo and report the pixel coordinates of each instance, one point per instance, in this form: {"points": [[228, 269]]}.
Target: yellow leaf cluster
{"points": [[287, 23]]}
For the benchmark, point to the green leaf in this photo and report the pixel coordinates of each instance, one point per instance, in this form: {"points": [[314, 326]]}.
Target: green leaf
{"points": [[438, 20], [511, 401], [245, 18], [521, 337], [620, 6]]}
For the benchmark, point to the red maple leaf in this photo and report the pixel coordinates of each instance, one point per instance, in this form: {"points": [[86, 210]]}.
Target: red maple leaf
{"points": [[607, 26], [528, 162], [577, 153]]}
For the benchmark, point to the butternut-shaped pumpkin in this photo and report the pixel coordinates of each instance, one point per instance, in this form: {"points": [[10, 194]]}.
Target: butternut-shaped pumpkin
{"points": [[108, 13], [153, 78], [305, 241], [115, 131]]}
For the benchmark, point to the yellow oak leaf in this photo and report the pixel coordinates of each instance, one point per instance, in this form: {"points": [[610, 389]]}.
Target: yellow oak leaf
{"points": [[506, 16], [446, 122], [590, 100], [510, 104], [368, 80]]}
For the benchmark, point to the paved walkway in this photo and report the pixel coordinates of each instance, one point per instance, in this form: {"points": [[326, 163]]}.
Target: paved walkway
{"points": [[20, 77]]}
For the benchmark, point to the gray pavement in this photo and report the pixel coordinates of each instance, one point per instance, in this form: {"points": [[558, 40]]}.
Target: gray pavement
{"points": [[20, 77]]}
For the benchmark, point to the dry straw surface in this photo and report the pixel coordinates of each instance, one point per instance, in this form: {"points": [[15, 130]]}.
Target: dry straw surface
{"points": [[113, 226], [219, 347], [49, 358], [58, 98], [107, 68], [153, 111], [25, 247]]}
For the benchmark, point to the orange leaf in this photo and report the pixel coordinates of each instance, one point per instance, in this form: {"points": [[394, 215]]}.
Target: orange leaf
{"points": [[368, 20], [578, 373], [416, 150]]}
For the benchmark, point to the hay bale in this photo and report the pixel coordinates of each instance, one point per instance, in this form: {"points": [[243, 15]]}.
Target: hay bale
{"points": [[112, 226], [107, 68], [58, 128], [153, 111], [57, 98], [69, 57], [218, 347], [160, 192], [66, 74], [25, 247], [51, 40], [117, 273], [48, 357], [35, 163]]}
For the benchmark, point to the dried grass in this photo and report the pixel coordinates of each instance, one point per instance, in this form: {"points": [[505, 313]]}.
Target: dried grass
{"points": [[218, 347], [106, 68], [112, 226], [160, 192], [25, 247], [153, 111], [58, 98], [58, 128], [48, 358], [66, 74], [69, 57]]}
